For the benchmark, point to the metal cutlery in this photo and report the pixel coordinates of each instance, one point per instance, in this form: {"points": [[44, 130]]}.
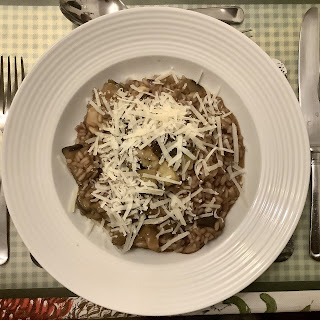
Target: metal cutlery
{"points": [[79, 12], [309, 102], [6, 97], [232, 15]]}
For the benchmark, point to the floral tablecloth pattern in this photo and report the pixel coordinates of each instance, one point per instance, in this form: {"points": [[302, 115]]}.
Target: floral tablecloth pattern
{"points": [[79, 308]]}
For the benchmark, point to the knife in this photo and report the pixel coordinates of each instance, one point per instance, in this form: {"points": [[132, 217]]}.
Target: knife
{"points": [[309, 102]]}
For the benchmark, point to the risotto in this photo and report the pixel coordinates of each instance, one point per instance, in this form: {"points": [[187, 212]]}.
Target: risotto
{"points": [[158, 162]]}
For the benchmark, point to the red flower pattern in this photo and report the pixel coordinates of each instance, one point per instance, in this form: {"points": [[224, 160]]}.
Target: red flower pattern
{"points": [[35, 309]]}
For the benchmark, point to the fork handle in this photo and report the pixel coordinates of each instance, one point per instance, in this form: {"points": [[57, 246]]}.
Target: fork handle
{"points": [[3, 227], [315, 206]]}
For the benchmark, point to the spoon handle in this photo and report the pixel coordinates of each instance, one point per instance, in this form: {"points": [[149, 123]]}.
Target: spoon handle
{"points": [[232, 14]]}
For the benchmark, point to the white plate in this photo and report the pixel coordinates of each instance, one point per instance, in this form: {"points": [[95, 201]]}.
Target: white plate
{"points": [[135, 43]]}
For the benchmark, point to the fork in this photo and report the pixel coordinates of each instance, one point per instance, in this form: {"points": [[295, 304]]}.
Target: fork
{"points": [[6, 97]]}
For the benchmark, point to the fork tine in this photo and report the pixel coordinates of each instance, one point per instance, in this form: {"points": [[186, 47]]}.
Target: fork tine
{"points": [[9, 97], [22, 69], [15, 87], [2, 100]]}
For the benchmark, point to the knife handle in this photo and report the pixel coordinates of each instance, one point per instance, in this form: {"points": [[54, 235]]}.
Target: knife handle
{"points": [[315, 206]]}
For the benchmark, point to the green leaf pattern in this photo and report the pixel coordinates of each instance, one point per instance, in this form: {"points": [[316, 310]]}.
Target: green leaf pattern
{"points": [[239, 303], [270, 303]]}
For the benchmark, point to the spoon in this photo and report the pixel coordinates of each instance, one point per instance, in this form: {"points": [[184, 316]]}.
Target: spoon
{"points": [[80, 11]]}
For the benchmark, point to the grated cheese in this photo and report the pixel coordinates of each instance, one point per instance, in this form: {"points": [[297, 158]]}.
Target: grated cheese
{"points": [[188, 153], [202, 107], [156, 220], [226, 115], [184, 170], [218, 121], [175, 78], [199, 77], [175, 239], [210, 206], [73, 199], [176, 228], [156, 204], [164, 150], [216, 216], [234, 180], [96, 107], [215, 166], [198, 143], [98, 102], [237, 173], [226, 142], [237, 167], [210, 154], [196, 192], [162, 225], [91, 140], [162, 179], [205, 215], [210, 191], [198, 114], [107, 105], [163, 231], [235, 143]]}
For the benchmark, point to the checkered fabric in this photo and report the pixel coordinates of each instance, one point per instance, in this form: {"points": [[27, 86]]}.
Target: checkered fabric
{"points": [[29, 31]]}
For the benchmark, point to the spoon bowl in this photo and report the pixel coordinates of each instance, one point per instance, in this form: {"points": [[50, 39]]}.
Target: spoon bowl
{"points": [[80, 13]]}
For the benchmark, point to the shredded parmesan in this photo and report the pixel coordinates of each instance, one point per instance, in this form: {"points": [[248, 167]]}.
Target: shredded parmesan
{"points": [[235, 143], [156, 204], [205, 215], [236, 173], [156, 220], [73, 199], [98, 102], [198, 115], [218, 121], [196, 192], [188, 153], [199, 77], [184, 170], [234, 180], [164, 231], [176, 228], [164, 75], [175, 239], [210, 191], [162, 179], [96, 107]]}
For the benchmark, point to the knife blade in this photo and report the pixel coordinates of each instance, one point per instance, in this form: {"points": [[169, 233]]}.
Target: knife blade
{"points": [[309, 102], [232, 15]]}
